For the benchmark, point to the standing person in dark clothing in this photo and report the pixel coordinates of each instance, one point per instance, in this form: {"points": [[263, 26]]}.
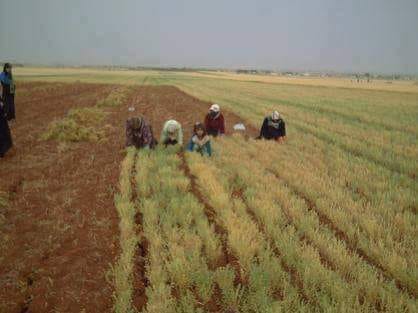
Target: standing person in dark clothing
{"points": [[214, 121], [5, 136], [139, 134], [274, 128], [8, 91]]}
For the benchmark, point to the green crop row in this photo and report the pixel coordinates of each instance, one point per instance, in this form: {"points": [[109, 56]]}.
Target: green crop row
{"points": [[275, 205], [183, 246], [263, 278], [123, 270]]}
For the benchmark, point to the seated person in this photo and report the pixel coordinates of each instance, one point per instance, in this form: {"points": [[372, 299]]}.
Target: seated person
{"points": [[273, 128], [139, 134], [172, 133], [214, 121], [200, 141]]}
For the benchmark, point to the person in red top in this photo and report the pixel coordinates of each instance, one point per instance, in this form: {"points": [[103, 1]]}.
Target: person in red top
{"points": [[214, 121]]}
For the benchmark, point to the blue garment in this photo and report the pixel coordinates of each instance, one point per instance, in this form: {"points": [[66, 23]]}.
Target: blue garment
{"points": [[8, 96], [205, 150], [5, 78]]}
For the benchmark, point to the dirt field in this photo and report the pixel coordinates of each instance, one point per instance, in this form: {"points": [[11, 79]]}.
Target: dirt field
{"points": [[60, 226]]}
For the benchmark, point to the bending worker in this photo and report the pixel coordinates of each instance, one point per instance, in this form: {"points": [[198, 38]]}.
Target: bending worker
{"points": [[274, 128]]}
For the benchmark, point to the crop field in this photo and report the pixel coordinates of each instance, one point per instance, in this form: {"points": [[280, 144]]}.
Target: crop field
{"points": [[325, 222]]}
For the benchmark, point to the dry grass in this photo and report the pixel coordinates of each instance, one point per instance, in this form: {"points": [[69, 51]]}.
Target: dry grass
{"points": [[78, 125]]}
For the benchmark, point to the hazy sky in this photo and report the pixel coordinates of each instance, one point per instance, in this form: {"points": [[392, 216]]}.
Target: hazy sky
{"points": [[356, 35]]}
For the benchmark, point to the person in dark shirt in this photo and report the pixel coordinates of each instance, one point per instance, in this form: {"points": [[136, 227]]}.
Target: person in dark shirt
{"points": [[273, 128], [214, 121], [8, 91]]}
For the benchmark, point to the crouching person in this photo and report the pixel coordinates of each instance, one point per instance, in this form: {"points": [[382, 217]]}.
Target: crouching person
{"points": [[274, 128], [172, 134], [139, 134], [215, 122], [200, 141]]}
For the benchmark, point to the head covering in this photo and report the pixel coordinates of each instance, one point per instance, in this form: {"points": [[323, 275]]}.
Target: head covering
{"points": [[200, 140], [275, 116], [7, 65], [136, 122], [171, 128], [198, 126], [215, 108]]}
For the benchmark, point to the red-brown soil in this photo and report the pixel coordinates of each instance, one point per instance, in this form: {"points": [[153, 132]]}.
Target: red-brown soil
{"points": [[59, 234]]}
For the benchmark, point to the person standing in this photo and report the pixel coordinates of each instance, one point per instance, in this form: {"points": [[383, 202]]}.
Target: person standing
{"points": [[273, 127], [8, 91], [214, 121], [5, 136]]}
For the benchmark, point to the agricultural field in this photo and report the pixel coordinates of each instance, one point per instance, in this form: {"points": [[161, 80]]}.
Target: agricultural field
{"points": [[326, 222]]}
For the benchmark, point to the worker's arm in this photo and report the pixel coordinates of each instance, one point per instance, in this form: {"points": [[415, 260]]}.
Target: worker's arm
{"points": [[264, 128], [164, 134], [283, 132], [180, 135], [190, 145], [283, 129], [209, 148], [129, 136], [207, 122], [222, 127], [148, 135]]}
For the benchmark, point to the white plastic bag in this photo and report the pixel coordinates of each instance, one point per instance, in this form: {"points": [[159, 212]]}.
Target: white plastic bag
{"points": [[239, 127]]}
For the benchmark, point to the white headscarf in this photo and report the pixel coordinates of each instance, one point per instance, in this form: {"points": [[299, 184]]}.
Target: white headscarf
{"points": [[215, 108], [275, 116]]}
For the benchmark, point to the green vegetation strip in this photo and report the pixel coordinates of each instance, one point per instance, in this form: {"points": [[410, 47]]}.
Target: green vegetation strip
{"points": [[306, 239], [265, 285], [183, 245], [123, 270]]}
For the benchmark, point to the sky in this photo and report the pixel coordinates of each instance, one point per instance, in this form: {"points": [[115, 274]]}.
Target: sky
{"points": [[378, 36]]}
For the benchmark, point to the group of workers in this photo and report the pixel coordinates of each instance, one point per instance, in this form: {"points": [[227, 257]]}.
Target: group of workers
{"points": [[140, 135], [138, 131]]}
